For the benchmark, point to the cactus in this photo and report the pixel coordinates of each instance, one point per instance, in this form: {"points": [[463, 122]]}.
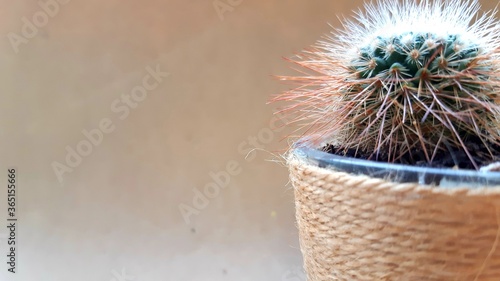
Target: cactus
{"points": [[404, 82]]}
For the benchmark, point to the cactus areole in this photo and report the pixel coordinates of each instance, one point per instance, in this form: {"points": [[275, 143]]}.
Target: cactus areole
{"points": [[412, 82]]}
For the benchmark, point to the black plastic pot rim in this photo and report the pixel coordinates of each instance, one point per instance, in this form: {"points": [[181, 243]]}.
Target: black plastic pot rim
{"points": [[443, 177]]}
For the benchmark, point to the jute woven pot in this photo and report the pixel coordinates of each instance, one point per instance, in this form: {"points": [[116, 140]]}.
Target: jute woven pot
{"points": [[354, 226]]}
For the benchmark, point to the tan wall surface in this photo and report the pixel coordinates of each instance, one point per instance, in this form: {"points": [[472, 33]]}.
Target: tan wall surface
{"points": [[115, 215]]}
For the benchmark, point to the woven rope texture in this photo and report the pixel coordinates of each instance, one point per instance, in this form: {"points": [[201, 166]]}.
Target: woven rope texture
{"points": [[354, 227]]}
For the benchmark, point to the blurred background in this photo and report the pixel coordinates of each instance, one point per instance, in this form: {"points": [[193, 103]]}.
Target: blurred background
{"points": [[142, 141]]}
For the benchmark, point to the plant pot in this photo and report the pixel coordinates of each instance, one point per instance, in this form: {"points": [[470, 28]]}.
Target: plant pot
{"points": [[365, 220]]}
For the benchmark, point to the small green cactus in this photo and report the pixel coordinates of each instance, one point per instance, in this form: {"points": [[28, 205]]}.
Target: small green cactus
{"points": [[405, 82]]}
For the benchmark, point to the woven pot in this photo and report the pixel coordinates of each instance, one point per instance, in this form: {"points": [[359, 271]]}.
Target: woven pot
{"points": [[363, 220]]}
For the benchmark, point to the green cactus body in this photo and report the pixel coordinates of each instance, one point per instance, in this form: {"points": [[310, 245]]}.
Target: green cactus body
{"points": [[420, 52], [413, 69]]}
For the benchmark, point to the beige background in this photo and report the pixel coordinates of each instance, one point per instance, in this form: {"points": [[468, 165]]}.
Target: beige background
{"points": [[118, 210]]}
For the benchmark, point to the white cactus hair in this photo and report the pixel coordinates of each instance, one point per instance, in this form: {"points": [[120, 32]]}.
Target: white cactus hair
{"points": [[433, 93], [442, 17]]}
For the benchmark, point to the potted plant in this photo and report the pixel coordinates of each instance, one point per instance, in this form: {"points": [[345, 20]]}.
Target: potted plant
{"points": [[395, 173]]}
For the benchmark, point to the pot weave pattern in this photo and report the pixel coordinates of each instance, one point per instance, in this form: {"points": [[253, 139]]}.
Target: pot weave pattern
{"points": [[354, 227]]}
